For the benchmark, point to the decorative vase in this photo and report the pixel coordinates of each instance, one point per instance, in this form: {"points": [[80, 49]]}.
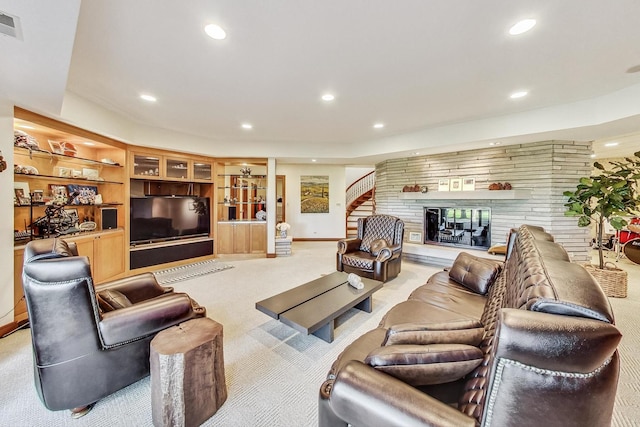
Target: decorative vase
{"points": [[283, 233]]}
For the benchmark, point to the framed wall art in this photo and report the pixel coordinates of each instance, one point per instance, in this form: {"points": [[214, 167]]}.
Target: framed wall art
{"points": [[314, 194], [443, 184], [468, 184], [455, 184]]}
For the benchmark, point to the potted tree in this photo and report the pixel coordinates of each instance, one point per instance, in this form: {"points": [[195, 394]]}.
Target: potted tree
{"points": [[608, 196]]}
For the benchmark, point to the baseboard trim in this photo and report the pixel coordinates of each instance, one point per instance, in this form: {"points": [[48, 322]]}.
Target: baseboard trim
{"points": [[11, 327]]}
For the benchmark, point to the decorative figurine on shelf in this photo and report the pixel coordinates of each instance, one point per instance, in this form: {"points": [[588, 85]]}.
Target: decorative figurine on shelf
{"points": [[283, 227], [246, 171]]}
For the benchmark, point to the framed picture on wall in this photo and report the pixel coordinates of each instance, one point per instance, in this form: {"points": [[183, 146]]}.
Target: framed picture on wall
{"points": [[443, 184], [455, 184], [314, 194], [468, 184]]}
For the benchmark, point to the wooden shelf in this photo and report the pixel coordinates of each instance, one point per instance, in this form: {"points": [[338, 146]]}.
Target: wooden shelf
{"points": [[518, 194]]}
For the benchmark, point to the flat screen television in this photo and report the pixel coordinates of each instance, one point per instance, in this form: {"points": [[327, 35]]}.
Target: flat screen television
{"points": [[161, 218]]}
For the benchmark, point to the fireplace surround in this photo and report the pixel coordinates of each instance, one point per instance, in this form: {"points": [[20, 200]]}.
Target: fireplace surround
{"points": [[458, 226]]}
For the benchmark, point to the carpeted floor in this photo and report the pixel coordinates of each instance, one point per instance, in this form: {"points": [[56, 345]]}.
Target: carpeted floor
{"points": [[273, 373]]}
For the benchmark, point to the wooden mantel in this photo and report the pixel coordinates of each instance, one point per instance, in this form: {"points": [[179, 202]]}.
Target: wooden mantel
{"points": [[521, 193]]}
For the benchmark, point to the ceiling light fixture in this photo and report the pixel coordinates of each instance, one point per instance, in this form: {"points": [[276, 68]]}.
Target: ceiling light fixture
{"points": [[328, 97], [215, 32], [593, 156], [522, 27], [148, 98], [378, 125], [25, 127], [89, 143], [520, 94], [495, 143], [610, 144], [313, 160], [247, 126]]}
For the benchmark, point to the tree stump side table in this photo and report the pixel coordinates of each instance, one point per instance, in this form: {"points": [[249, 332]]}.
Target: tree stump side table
{"points": [[187, 373]]}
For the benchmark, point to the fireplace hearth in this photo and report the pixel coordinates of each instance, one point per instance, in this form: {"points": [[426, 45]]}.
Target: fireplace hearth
{"points": [[458, 226]]}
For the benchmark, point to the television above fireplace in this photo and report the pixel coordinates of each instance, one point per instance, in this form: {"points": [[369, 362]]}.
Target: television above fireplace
{"points": [[458, 226]]}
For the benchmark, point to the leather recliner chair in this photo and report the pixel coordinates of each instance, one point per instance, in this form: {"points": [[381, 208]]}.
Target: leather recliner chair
{"points": [[90, 341], [376, 252]]}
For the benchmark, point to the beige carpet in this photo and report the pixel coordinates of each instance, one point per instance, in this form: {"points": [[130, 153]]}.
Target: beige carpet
{"points": [[273, 373]]}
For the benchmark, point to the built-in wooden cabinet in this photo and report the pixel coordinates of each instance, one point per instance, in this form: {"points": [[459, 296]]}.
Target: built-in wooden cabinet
{"points": [[55, 165], [162, 165], [241, 237], [101, 248], [241, 207]]}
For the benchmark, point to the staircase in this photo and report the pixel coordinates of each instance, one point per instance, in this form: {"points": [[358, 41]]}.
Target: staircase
{"points": [[360, 202]]}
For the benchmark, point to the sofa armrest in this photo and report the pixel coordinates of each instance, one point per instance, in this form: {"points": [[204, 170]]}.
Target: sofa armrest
{"points": [[389, 252], [554, 342], [146, 318], [349, 245], [136, 288], [360, 395]]}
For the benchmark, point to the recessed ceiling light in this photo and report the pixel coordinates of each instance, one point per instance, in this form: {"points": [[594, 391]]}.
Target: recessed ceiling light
{"points": [[593, 156], [328, 97], [519, 94], [522, 27], [215, 32], [416, 153], [495, 143], [247, 126], [149, 98], [313, 160], [610, 144], [378, 125]]}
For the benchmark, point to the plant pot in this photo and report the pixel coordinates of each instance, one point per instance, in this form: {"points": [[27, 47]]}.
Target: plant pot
{"points": [[612, 280]]}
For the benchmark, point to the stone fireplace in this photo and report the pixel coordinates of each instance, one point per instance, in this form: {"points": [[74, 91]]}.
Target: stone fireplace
{"points": [[468, 227]]}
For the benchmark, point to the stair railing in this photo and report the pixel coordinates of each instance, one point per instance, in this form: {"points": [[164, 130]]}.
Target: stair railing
{"points": [[360, 187]]}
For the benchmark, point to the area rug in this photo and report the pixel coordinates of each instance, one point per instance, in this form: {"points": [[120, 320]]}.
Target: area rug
{"points": [[188, 271]]}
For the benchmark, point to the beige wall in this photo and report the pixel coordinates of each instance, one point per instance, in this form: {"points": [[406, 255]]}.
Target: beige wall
{"points": [[6, 213], [315, 226]]}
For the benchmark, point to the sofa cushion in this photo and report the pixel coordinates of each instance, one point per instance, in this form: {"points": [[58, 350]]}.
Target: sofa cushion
{"points": [[457, 332], [426, 364], [115, 299], [377, 245], [416, 311], [359, 259], [475, 273]]}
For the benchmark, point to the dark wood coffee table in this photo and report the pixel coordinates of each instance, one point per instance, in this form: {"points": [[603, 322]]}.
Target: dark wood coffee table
{"points": [[312, 308]]}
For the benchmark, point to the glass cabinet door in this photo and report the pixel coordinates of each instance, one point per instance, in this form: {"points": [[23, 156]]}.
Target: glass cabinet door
{"points": [[144, 165], [177, 168], [202, 171]]}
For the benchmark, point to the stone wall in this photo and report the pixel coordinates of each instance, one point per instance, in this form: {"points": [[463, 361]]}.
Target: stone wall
{"points": [[546, 168]]}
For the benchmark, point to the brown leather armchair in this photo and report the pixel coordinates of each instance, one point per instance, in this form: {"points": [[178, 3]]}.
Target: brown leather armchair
{"points": [[376, 252], [90, 341]]}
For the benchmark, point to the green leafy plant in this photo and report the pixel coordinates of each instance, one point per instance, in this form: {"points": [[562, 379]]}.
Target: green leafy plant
{"points": [[606, 197]]}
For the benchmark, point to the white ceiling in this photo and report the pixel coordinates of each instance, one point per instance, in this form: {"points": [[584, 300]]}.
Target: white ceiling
{"points": [[438, 73]]}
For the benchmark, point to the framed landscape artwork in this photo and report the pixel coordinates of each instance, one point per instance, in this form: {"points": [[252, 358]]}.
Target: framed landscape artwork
{"points": [[314, 194]]}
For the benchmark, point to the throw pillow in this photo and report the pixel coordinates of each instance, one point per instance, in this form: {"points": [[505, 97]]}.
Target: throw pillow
{"points": [[475, 273], [377, 245], [115, 299], [420, 365], [468, 332]]}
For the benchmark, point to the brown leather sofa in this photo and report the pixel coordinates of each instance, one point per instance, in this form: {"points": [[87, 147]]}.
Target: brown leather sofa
{"points": [[528, 343], [376, 252], [90, 341]]}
